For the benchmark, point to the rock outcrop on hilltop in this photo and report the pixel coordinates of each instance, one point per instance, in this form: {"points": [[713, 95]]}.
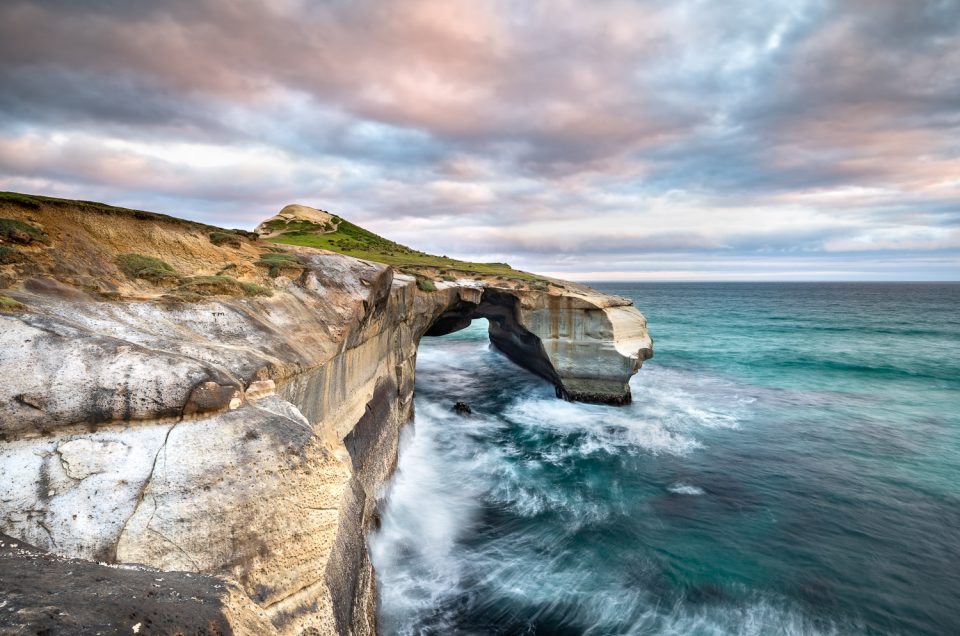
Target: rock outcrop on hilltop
{"points": [[238, 430], [296, 212]]}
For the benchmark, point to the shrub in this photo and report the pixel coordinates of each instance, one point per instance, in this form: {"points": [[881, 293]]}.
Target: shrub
{"points": [[220, 286], [24, 200], [8, 255], [146, 267], [425, 284], [278, 261], [252, 289], [448, 277], [539, 285], [16, 231], [247, 234], [225, 238]]}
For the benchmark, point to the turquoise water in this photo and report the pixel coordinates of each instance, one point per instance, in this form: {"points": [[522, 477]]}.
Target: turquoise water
{"points": [[790, 465]]}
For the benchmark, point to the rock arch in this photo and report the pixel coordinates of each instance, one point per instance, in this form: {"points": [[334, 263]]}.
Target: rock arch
{"points": [[586, 345]]}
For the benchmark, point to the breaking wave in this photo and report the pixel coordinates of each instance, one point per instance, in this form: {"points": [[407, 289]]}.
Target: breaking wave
{"points": [[507, 520]]}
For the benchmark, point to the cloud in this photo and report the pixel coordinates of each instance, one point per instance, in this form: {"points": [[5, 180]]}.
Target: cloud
{"points": [[607, 131]]}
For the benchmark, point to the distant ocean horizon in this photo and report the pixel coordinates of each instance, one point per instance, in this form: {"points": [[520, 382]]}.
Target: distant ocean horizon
{"points": [[765, 282], [790, 465]]}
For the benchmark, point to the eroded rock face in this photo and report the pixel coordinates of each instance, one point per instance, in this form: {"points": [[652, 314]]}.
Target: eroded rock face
{"points": [[595, 342], [296, 212], [247, 439], [587, 344]]}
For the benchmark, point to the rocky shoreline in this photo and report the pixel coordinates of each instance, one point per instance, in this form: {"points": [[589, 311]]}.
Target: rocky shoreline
{"points": [[244, 438]]}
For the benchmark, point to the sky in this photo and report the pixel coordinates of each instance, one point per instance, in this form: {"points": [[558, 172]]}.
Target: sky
{"points": [[587, 139]]}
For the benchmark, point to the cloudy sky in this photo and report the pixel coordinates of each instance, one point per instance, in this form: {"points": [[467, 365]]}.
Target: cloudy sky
{"points": [[593, 139]]}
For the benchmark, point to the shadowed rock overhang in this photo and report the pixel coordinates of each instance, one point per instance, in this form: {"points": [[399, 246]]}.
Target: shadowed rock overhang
{"points": [[587, 345]]}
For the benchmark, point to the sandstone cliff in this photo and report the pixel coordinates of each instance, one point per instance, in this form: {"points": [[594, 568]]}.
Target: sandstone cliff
{"points": [[234, 409]]}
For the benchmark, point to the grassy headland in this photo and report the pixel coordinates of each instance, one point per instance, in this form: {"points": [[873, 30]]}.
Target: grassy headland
{"points": [[140, 260], [355, 241]]}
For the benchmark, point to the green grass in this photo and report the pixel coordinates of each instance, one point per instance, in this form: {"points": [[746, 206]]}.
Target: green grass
{"points": [[230, 239], [278, 261], [146, 267], [252, 289], [425, 284], [222, 286], [348, 239], [26, 200], [36, 201], [540, 285], [355, 241], [16, 231], [8, 255]]}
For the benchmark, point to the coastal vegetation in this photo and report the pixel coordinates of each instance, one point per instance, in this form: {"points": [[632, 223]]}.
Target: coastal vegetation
{"points": [[425, 284], [8, 304], [14, 231], [332, 233], [159, 272], [36, 202], [353, 240], [221, 238], [276, 262], [221, 286], [147, 267], [8, 255]]}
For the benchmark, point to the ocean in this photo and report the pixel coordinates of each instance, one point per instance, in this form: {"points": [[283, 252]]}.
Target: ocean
{"points": [[790, 464]]}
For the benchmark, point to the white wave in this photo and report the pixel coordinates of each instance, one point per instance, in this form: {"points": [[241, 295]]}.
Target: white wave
{"points": [[433, 501], [686, 399], [531, 499], [762, 617], [680, 488], [599, 428], [451, 466], [419, 528]]}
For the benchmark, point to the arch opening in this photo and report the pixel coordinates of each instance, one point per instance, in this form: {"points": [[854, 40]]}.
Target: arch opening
{"points": [[505, 329]]}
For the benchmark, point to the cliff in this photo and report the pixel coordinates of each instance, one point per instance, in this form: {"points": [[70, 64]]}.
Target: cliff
{"points": [[196, 400]]}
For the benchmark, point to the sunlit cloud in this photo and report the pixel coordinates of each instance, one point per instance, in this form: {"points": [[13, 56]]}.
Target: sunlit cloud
{"points": [[611, 139]]}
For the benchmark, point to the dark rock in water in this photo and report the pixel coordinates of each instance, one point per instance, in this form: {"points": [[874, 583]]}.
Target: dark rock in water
{"points": [[462, 408]]}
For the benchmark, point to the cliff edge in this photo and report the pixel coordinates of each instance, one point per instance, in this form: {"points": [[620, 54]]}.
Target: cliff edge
{"points": [[199, 400]]}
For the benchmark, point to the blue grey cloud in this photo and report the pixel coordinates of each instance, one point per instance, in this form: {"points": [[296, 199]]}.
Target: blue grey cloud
{"points": [[576, 137]]}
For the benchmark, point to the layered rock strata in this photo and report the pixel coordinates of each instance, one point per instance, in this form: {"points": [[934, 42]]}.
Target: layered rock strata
{"points": [[248, 438], [588, 345]]}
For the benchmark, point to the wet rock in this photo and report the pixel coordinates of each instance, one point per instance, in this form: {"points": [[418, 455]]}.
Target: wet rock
{"points": [[462, 408]]}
